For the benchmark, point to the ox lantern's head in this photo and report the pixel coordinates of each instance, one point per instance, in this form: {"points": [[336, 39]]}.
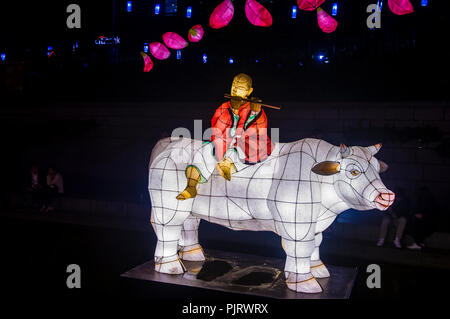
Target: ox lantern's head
{"points": [[356, 177]]}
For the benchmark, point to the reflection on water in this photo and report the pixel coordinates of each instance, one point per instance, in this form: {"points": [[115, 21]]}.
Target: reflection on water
{"points": [[213, 269]]}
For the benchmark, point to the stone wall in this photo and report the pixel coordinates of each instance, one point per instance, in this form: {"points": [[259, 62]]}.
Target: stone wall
{"points": [[103, 149], [415, 137]]}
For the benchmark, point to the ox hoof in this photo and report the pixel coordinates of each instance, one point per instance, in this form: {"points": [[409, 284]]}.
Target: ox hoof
{"points": [[320, 271], [174, 267], [303, 283], [192, 253]]}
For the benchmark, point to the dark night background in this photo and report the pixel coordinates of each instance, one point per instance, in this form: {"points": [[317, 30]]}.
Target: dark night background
{"points": [[94, 114], [404, 60]]}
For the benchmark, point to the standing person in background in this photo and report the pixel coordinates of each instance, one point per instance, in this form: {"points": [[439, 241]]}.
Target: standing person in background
{"points": [[399, 212], [422, 221], [54, 189]]}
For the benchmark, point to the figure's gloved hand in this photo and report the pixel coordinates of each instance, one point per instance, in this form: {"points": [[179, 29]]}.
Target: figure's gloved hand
{"points": [[254, 105]]}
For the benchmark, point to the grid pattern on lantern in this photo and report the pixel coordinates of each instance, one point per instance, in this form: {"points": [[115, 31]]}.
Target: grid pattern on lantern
{"points": [[281, 194]]}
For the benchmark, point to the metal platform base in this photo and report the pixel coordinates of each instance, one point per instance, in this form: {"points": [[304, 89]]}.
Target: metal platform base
{"points": [[247, 274]]}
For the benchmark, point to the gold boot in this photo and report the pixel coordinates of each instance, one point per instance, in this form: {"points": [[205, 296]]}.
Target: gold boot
{"points": [[226, 168], [193, 177]]}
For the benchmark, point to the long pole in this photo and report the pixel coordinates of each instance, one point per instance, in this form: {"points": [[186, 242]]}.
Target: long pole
{"points": [[228, 96]]}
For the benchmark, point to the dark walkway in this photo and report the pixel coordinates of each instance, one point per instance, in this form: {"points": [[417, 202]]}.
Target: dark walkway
{"points": [[36, 249]]}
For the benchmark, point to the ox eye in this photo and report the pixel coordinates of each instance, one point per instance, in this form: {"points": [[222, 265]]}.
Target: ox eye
{"points": [[354, 172]]}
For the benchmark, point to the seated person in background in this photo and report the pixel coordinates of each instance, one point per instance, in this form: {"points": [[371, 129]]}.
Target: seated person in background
{"points": [[34, 187], [422, 221], [54, 188], [399, 213]]}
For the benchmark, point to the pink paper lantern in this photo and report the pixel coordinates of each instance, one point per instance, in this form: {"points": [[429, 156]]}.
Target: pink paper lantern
{"points": [[257, 14], [148, 63], [174, 41], [159, 50], [400, 7], [196, 33], [309, 5], [326, 23], [222, 15]]}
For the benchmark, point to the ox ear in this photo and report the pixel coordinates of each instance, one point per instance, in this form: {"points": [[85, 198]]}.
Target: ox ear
{"points": [[344, 150], [383, 166], [374, 148], [326, 168]]}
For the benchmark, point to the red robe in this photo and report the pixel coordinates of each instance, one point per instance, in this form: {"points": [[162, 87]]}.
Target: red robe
{"points": [[252, 140]]}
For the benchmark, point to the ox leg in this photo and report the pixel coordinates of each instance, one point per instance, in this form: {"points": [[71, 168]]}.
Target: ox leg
{"points": [[168, 234], [189, 248], [318, 268], [298, 268]]}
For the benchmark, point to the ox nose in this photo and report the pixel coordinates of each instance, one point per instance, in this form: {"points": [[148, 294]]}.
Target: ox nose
{"points": [[384, 200]]}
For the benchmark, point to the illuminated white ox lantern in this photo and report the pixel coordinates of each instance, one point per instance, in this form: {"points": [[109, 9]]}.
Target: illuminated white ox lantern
{"points": [[297, 192]]}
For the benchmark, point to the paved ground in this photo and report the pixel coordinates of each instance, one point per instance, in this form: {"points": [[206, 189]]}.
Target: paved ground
{"points": [[36, 249]]}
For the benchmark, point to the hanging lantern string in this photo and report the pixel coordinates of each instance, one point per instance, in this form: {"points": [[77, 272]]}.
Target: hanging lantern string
{"points": [[228, 96]]}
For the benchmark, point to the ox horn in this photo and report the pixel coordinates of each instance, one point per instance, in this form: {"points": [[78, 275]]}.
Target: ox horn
{"points": [[326, 168], [345, 151], [374, 148], [383, 166]]}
